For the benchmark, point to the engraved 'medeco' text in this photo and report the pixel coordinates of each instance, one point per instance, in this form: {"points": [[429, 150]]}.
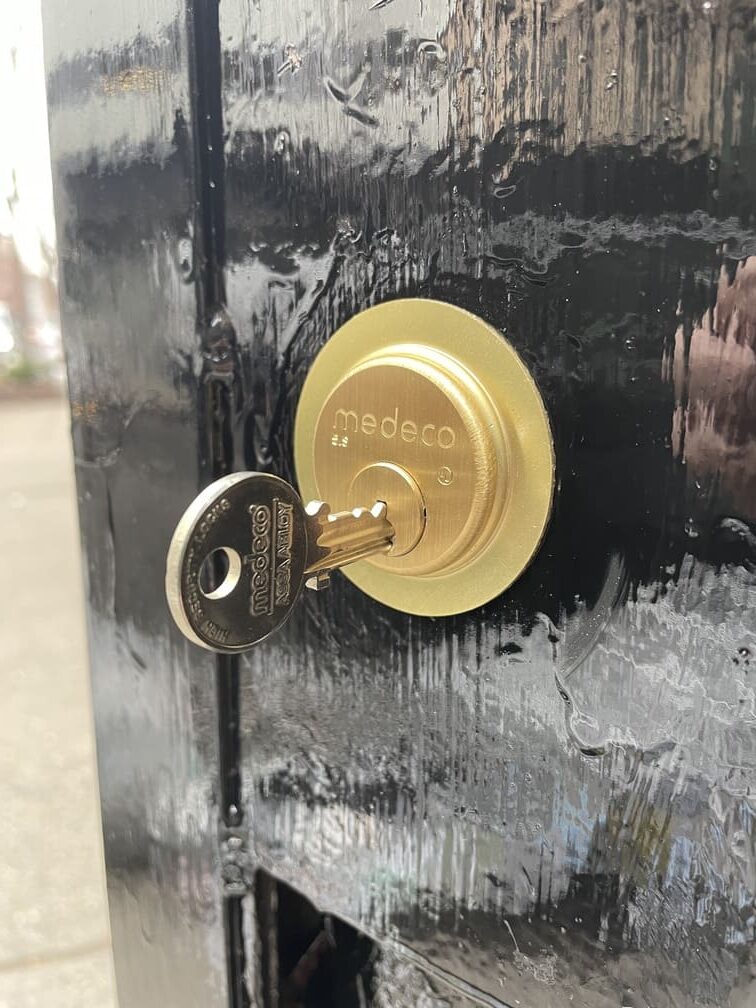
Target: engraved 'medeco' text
{"points": [[390, 427], [260, 600]]}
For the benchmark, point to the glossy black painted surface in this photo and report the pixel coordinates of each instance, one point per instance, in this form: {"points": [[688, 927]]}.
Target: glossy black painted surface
{"points": [[546, 801], [122, 141]]}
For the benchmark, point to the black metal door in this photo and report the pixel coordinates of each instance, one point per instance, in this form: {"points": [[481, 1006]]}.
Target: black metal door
{"points": [[545, 801]]}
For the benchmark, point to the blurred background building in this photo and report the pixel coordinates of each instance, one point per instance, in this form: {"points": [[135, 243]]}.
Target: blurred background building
{"points": [[54, 940], [30, 348]]}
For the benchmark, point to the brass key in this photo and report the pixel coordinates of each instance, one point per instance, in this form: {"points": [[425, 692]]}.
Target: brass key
{"points": [[335, 540], [245, 547]]}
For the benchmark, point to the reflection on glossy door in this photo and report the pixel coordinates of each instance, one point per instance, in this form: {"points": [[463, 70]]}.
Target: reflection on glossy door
{"points": [[550, 798]]}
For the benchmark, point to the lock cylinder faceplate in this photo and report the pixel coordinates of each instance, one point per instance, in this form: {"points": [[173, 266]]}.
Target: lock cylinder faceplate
{"points": [[426, 407]]}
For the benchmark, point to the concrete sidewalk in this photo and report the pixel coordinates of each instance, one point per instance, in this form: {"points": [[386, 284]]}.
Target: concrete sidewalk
{"points": [[54, 941]]}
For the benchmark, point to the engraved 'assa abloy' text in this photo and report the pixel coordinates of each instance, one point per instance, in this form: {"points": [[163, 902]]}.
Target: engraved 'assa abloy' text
{"points": [[284, 536]]}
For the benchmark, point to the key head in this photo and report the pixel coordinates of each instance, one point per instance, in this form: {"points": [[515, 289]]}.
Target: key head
{"points": [[236, 561]]}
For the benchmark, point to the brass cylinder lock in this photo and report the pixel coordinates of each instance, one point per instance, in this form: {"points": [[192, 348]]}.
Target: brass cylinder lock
{"points": [[425, 407]]}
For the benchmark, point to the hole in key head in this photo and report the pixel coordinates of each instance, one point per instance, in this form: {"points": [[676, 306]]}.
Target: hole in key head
{"points": [[219, 573]]}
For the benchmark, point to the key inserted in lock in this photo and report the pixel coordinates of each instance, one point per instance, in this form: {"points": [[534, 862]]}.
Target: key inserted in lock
{"points": [[245, 547], [422, 428]]}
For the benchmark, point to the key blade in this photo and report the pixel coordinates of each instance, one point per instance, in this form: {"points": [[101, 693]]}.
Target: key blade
{"points": [[337, 539]]}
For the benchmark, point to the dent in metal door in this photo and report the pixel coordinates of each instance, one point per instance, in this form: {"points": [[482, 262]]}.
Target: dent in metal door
{"points": [[548, 800]]}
